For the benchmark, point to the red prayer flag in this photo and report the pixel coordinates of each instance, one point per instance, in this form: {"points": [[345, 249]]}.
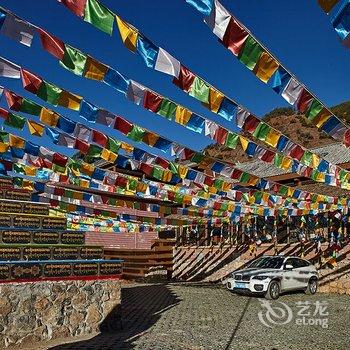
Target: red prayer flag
{"points": [[297, 152], [100, 138], [52, 44], [58, 191], [82, 146], [188, 153], [30, 81], [346, 139], [4, 113], [162, 162], [236, 174], [121, 181], [64, 178], [76, 6], [251, 123], [185, 79], [209, 181], [234, 37], [152, 101], [221, 135], [147, 169], [122, 125], [59, 159], [304, 101], [47, 163], [268, 156], [13, 101], [171, 195]]}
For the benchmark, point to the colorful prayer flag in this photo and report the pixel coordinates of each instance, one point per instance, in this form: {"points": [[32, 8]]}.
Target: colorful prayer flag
{"points": [[250, 53], [99, 16], [73, 60], [128, 34], [49, 93], [265, 67], [94, 69]]}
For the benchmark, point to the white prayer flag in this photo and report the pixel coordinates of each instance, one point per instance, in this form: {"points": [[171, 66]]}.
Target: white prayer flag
{"points": [[241, 116], [9, 69], [292, 91], [82, 132], [18, 30], [136, 92], [166, 63], [218, 20]]}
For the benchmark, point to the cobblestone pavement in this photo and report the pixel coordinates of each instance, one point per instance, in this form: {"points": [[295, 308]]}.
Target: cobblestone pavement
{"points": [[193, 317]]}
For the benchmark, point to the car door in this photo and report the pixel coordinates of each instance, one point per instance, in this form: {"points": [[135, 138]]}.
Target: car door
{"points": [[292, 279], [305, 272]]}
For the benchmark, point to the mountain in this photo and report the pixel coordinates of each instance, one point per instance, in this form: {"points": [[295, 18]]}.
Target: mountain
{"points": [[293, 125]]}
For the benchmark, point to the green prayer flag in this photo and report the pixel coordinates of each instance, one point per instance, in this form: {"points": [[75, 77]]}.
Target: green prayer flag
{"points": [[262, 131], [132, 184], [136, 134], [16, 121], [73, 60], [315, 108], [30, 107], [218, 183], [197, 158], [167, 109], [18, 168], [113, 145], [94, 151], [258, 196], [58, 168], [245, 197], [306, 159], [18, 181], [278, 159], [244, 177], [200, 90], [342, 175], [231, 140], [68, 193], [157, 173], [99, 16], [283, 190], [178, 198], [173, 167], [4, 137], [250, 53], [49, 93]]}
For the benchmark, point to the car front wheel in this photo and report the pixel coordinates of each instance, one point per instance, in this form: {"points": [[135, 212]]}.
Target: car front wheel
{"points": [[311, 286], [273, 290]]}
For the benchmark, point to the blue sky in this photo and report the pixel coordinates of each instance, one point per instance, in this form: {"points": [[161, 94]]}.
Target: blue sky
{"points": [[297, 32]]}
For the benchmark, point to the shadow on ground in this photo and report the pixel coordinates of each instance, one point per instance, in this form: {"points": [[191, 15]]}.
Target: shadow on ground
{"points": [[141, 308]]}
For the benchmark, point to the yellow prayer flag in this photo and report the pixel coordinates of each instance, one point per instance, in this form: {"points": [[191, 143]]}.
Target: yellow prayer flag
{"points": [[87, 169], [182, 171], [94, 69], [84, 183], [182, 115], [126, 147], [16, 141], [215, 99], [226, 186], [286, 163], [265, 67], [69, 100], [3, 147], [322, 117], [273, 137], [28, 185], [321, 177], [150, 138], [78, 195], [187, 199], [261, 211], [48, 117], [253, 180], [327, 5], [212, 189], [315, 160], [244, 142], [71, 207], [108, 156], [30, 170], [141, 187], [230, 207], [167, 175], [128, 34], [35, 128]]}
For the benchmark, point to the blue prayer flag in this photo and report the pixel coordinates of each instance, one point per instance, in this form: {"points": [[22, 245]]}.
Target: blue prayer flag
{"points": [[203, 6], [227, 109], [88, 111], [147, 50], [116, 80]]}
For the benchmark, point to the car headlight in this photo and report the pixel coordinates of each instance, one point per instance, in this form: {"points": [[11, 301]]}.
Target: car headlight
{"points": [[260, 278]]}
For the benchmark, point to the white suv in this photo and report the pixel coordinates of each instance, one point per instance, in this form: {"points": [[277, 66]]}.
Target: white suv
{"points": [[272, 275]]}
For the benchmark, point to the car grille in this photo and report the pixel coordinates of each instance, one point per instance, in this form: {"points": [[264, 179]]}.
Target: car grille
{"points": [[239, 277]]}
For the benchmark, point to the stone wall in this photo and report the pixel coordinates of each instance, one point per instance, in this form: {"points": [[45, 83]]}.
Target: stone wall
{"points": [[41, 311]]}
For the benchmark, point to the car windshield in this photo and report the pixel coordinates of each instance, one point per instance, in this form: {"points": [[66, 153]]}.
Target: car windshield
{"points": [[267, 263]]}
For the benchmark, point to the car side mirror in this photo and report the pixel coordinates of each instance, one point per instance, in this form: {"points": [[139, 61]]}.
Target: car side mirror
{"points": [[288, 267]]}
